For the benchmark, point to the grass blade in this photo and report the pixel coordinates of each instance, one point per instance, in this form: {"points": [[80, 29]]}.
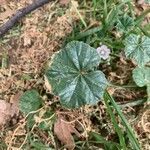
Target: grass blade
{"points": [[97, 138], [80, 16], [115, 124], [130, 132], [88, 32]]}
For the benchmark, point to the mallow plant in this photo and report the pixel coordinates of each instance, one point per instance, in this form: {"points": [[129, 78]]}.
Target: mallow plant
{"points": [[137, 48], [73, 76]]}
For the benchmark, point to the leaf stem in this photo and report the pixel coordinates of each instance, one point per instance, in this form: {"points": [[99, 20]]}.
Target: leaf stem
{"points": [[123, 86], [132, 103]]}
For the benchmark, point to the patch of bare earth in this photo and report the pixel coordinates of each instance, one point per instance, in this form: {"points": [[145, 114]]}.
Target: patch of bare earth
{"points": [[42, 33], [24, 57]]}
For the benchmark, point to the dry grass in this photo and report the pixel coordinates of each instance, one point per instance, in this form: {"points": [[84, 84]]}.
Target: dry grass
{"points": [[42, 34]]}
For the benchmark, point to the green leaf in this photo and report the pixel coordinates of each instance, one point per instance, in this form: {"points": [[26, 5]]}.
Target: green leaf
{"points": [[30, 121], [73, 78], [97, 138], [141, 76], [138, 48], [30, 101], [125, 23], [38, 145]]}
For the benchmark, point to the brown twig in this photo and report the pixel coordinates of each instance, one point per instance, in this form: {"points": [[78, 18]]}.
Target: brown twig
{"points": [[20, 14]]}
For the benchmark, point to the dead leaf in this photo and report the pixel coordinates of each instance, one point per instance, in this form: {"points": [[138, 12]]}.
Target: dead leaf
{"points": [[47, 85], [142, 4], [9, 110], [5, 109], [15, 104], [2, 2], [64, 130], [64, 2]]}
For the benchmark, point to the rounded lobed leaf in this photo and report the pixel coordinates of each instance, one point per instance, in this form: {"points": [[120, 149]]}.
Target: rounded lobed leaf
{"points": [[125, 23], [73, 78], [30, 101], [141, 76], [138, 48]]}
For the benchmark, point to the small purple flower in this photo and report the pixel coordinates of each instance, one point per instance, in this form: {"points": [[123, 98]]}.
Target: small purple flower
{"points": [[103, 51]]}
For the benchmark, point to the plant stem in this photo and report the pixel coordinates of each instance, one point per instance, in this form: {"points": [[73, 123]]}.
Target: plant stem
{"points": [[105, 9], [132, 103], [123, 86]]}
